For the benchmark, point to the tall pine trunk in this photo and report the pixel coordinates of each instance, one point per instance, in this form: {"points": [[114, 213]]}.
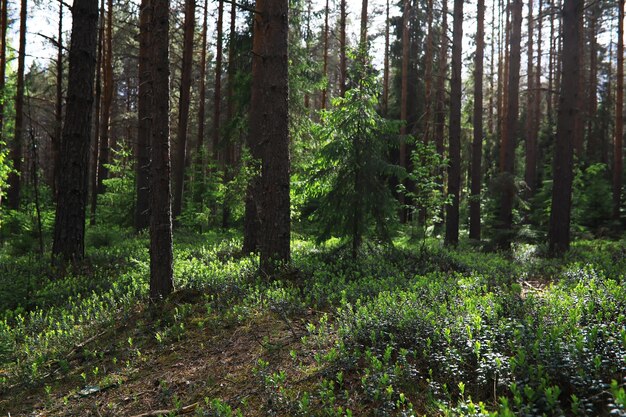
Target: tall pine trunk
{"points": [[161, 251], [454, 150], [58, 108], [343, 64], [509, 188], [618, 162], [363, 40], [559, 229], [217, 98], [183, 107], [477, 144], [385, 99], [144, 123], [269, 122], [107, 101], [15, 153], [325, 67], [531, 138], [69, 225], [95, 146], [3, 60]]}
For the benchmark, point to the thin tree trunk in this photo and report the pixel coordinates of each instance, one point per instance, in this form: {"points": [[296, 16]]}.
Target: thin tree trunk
{"points": [[474, 232], [440, 99], [230, 157], [504, 138], [404, 92], [343, 65], [144, 123], [200, 153], [69, 225], [183, 107], [509, 188], [325, 68], [218, 83], [385, 101], [618, 163], [3, 61], [491, 72], [454, 150], [559, 229], [551, 59], [428, 73], [107, 101], [269, 123], [579, 132], [58, 109], [363, 41], [161, 252], [537, 105], [95, 149], [593, 141], [531, 138], [15, 154]]}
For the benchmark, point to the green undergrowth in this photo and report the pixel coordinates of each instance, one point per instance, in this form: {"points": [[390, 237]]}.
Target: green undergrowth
{"points": [[404, 330]]}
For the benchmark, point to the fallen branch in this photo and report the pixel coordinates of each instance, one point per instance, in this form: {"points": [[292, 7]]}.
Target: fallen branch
{"points": [[185, 410]]}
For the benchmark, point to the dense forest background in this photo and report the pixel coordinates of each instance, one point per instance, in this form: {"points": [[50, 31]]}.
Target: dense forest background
{"points": [[420, 202]]}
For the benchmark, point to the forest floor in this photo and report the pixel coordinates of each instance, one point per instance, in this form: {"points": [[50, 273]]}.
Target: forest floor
{"points": [[400, 331]]}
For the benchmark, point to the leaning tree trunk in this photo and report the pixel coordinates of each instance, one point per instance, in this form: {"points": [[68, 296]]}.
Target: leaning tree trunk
{"points": [[15, 155], [161, 251], [269, 119], [477, 144], [183, 107], [512, 110], [69, 224], [618, 162], [144, 123], [454, 152]]}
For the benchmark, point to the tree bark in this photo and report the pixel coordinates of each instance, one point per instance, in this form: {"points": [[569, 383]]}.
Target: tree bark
{"points": [[512, 111], [618, 162], [454, 150], [95, 146], [325, 67], [107, 101], [343, 66], [161, 252], [202, 98], [385, 100], [428, 72], [3, 60], [69, 224], [559, 229], [58, 108], [531, 138], [15, 151], [440, 95], [269, 123], [363, 41], [218, 83], [183, 107], [593, 141], [477, 144], [144, 122]]}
